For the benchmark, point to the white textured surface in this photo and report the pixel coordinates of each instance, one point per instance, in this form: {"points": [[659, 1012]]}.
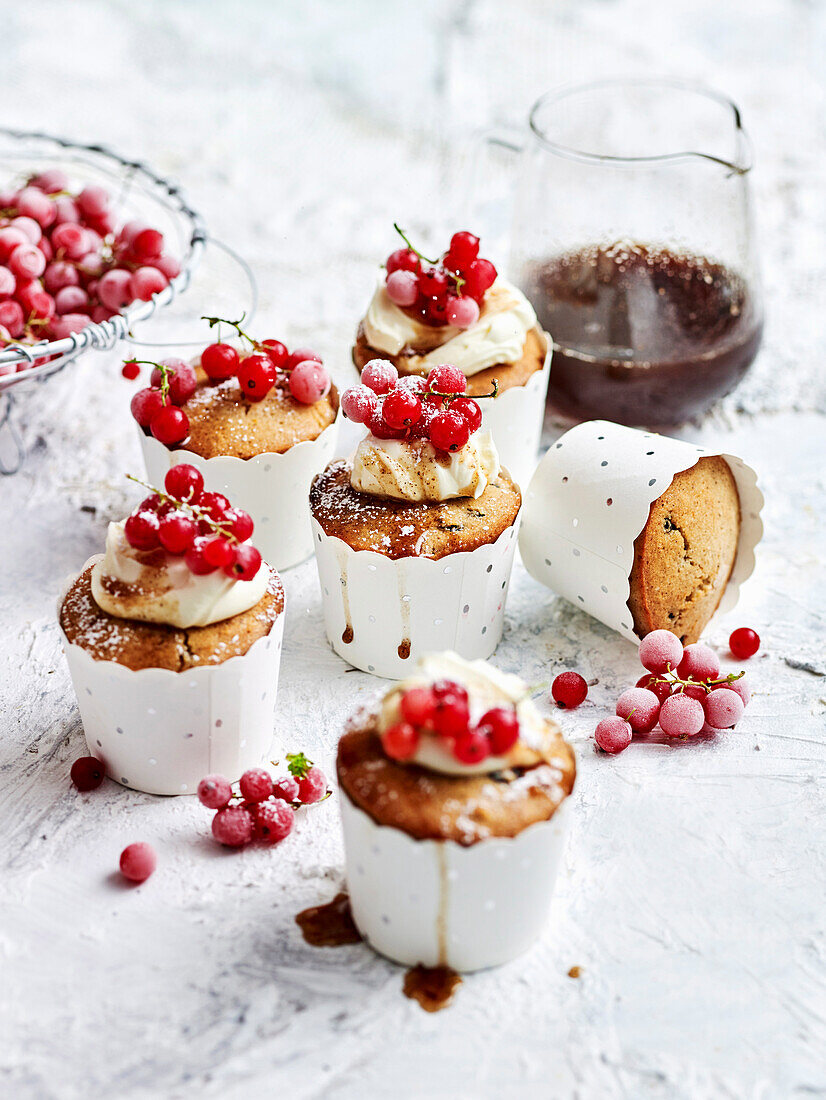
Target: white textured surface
{"points": [[692, 889]]}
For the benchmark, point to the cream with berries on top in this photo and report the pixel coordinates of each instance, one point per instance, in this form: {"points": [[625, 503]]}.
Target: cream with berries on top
{"points": [[424, 443], [183, 558], [458, 717], [454, 309]]}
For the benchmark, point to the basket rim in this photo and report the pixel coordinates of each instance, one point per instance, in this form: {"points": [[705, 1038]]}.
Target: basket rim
{"points": [[105, 335]]}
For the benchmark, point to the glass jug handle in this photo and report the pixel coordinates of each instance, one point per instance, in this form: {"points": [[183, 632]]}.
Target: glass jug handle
{"points": [[487, 187]]}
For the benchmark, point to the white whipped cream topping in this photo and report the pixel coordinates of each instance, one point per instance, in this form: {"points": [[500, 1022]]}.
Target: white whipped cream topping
{"points": [[497, 337], [156, 587], [414, 470], [487, 687]]}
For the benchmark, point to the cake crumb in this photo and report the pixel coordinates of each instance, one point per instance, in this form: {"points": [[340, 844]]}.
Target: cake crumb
{"points": [[575, 972]]}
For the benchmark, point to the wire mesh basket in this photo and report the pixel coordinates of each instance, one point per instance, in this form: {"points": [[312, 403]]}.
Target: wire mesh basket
{"points": [[137, 192]]}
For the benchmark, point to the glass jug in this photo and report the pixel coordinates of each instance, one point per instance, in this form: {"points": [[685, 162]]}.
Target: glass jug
{"points": [[632, 235]]}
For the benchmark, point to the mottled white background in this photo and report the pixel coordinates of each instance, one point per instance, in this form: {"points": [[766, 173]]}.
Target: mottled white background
{"points": [[692, 894]]}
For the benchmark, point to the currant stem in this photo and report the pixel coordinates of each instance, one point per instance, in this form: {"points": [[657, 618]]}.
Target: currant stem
{"points": [[233, 324], [477, 397], [406, 240]]}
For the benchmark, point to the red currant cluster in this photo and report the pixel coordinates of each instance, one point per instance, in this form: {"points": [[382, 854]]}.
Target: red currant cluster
{"points": [[431, 408], [62, 265], [443, 710], [259, 807], [447, 291], [682, 690], [157, 408], [202, 526]]}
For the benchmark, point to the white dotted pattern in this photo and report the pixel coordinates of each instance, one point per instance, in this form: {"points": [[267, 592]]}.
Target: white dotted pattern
{"points": [[590, 498]]}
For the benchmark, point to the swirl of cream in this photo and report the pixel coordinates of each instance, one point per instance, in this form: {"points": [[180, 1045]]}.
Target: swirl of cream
{"points": [[414, 470], [486, 687], [156, 587], [498, 336]]}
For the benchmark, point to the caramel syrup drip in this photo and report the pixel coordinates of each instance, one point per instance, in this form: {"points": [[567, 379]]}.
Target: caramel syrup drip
{"points": [[329, 925], [432, 986], [347, 634]]}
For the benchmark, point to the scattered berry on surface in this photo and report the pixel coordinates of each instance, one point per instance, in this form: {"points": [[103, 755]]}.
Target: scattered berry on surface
{"points": [[87, 773], [569, 689], [744, 642], [138, 861]]}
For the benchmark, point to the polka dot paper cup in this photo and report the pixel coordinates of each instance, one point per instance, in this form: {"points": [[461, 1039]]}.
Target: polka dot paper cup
{"points": [[161, 732], [273, 488], [515, 420], [382, 614], [439, 903], [589, 500]]}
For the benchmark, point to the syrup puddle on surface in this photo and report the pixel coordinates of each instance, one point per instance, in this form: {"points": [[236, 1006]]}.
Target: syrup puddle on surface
{"points": [[432, 986], [329, 925]]}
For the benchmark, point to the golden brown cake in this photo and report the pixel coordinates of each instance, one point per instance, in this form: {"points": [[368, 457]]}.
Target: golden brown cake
{"points": [[140, 645], [506, 374], [399, 528], [464, 809], [222, 422], [684, 555]]}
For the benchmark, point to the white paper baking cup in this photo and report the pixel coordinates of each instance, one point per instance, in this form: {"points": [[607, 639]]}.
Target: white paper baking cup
{"points": [[382, 614], [438, 903], [515, 419], [273, 488], [588, 501], [161, 732]]}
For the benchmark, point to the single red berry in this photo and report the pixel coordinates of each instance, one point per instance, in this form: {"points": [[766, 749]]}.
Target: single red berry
{"points": [[145, 406], [661, 688], [245, 564], [138, 861], [569, 689], [182, 380], [401, 408], [403, 259], [432, 282], [216, 504], [379, 375], [699, 662], [379, 428], [286, 787], [312, 786], [147, 245], [170, 426], [87, 773], [613, 735], [195, 559], [464, 248], [177, 532], [681, 716], [744, 642], [740, 687], [359, 403], [184, 482], [141, 530], [470, 412], [214, 792], [400, 741], [256, 376], [130, 370], [274, 821], [660, 650], [417, 706], [640, 708], [218, 551], [447, 379], [471, 747], [301, 355], [276, 352], [256, 784], [239, 523], [451, 716], [219, 361], [479, 277], [449, 689], [449, 431], [724, 708], [233, 826], [502, 728], [309, 381]]}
